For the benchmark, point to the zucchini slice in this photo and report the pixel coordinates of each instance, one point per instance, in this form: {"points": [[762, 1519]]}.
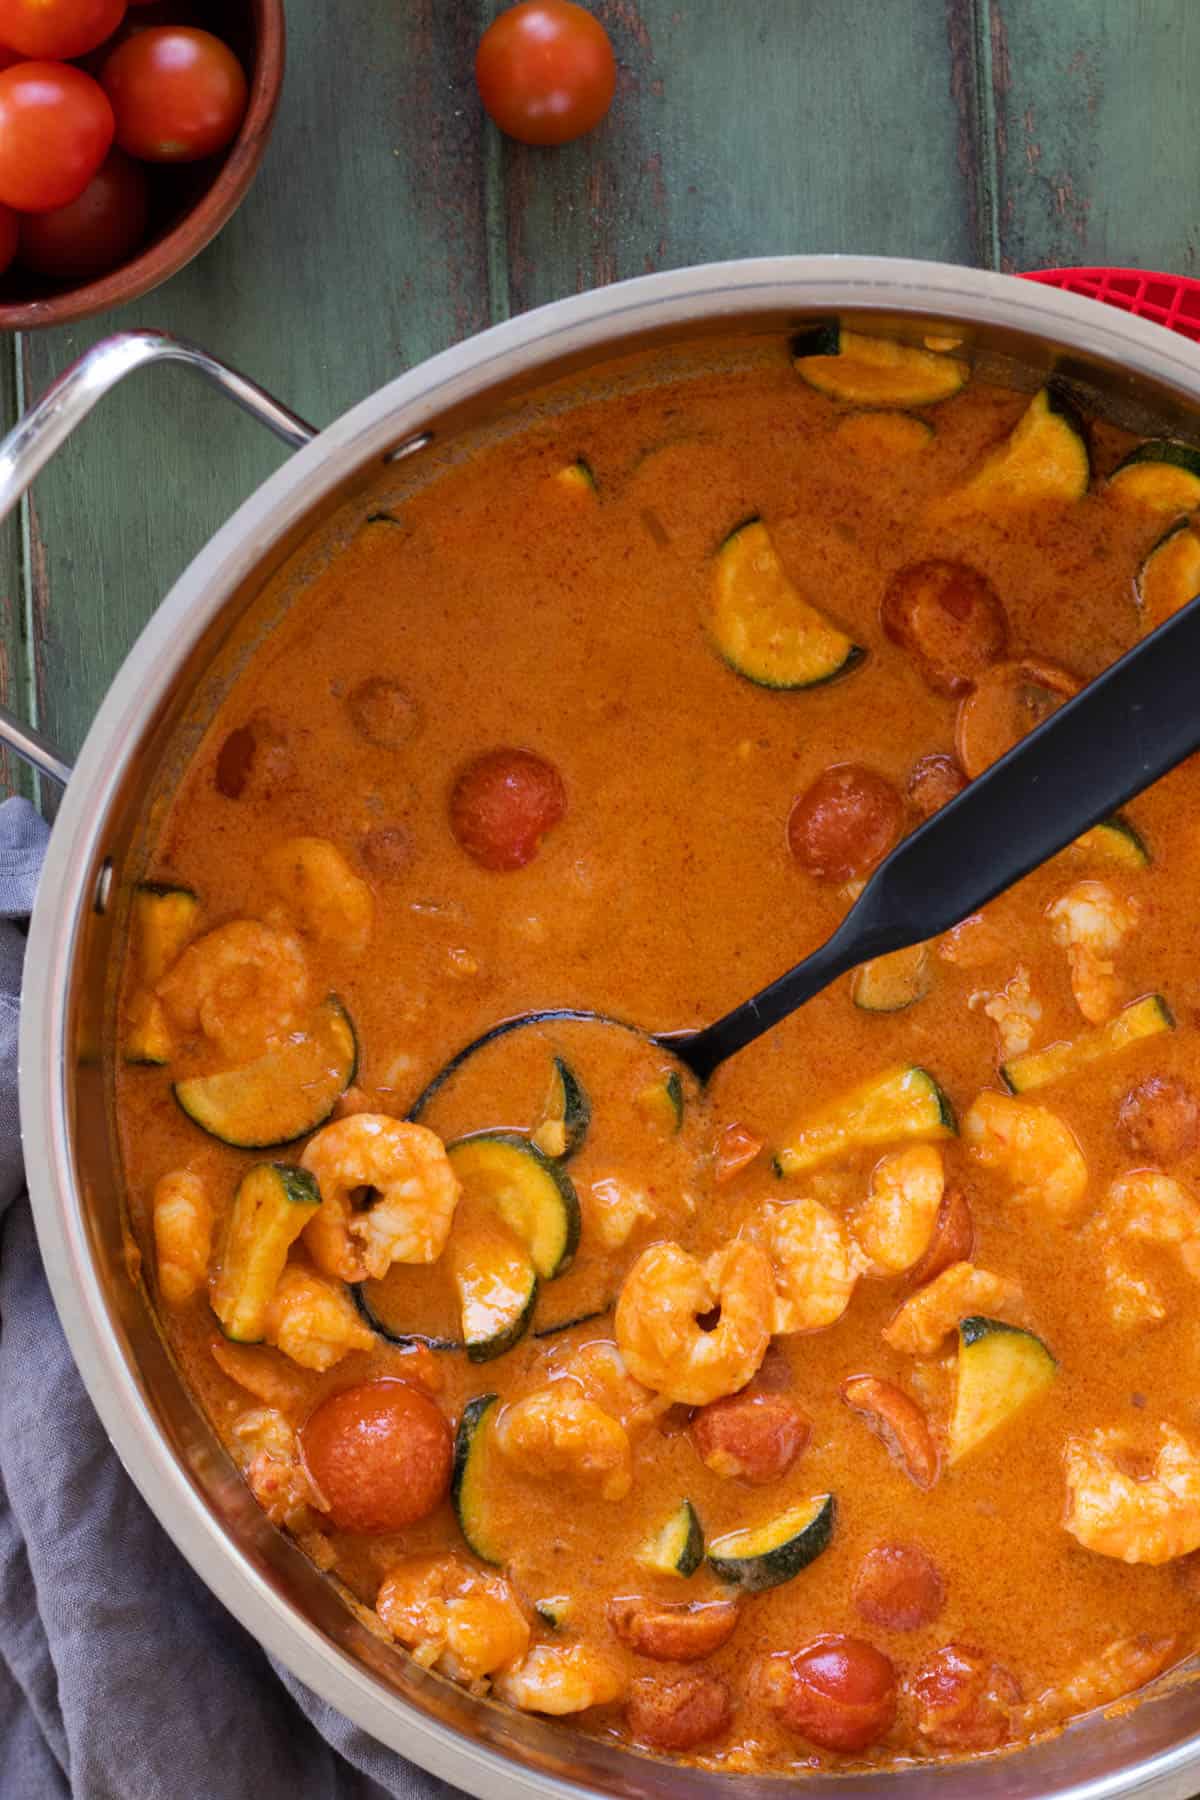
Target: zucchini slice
{"points": [[678, 1548], [1045, 457], [474, 1475], [554, 1611], [766, 1555], [164, 921], [283, 1095], [1162, 475], [661, 1104], [903, 1102], [147, 1034], [761, 625], [1170, 575], [584, 1318], [366, 1312], [888, 984], [871, 371], [1142, 1018], [879, 436], [273, 1204], [1117, 841], [496, 1284], [532, 1194], [1001, 1370], [576, 477], [565, 1116]]}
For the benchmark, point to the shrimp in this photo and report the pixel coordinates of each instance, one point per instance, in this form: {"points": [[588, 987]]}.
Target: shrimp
{"points": [[1034, 1148], [1121, 1667], [615, 1210], [816, 1268], [927, 1316], [1091, 921], [462, 1620], [662, 1300], [406, 1166], [558, 1433], [244, 985], [321, 892], [313, 1323], [1013, 1010], [269, 1454], [973, 943], [1135, 1520], [896, 1222], [559, 1679], [183, 1228], [1152, 1208], [599, 1370]]}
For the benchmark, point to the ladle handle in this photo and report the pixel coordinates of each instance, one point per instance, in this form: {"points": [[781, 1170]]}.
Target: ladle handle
{"points": [[1127, 728], [36, 436]]}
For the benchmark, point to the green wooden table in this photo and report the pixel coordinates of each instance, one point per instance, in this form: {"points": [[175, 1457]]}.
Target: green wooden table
{"points": [[390, 219]]}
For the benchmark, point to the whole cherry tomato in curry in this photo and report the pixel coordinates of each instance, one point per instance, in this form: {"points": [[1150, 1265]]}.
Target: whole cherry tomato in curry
{"points": [[56, 126], [546, 71], [58, 28], [503, 804], [380, 1455], [178, 94], [94, 232]]}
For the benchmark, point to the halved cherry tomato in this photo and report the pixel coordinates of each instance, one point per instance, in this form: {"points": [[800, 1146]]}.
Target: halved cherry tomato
{"points": [[546, 71], [56, 126], [841, 1693], [96, 231], [899, 1587], [502, 806], [178, 94], [58, 28], [380, 1455]]}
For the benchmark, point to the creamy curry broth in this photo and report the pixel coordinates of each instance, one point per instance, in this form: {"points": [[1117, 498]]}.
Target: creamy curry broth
{"points": [[519, 607]]}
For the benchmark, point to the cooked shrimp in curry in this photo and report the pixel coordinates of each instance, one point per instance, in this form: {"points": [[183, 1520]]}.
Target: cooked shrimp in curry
{"points": [[750, 1423]]}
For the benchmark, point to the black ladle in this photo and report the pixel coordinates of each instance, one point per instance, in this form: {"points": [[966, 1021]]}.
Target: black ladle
{"points": [[1127, 728]]}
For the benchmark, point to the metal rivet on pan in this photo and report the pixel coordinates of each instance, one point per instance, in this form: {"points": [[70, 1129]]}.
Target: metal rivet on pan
{"points": [[419, 442], [104, 881]]}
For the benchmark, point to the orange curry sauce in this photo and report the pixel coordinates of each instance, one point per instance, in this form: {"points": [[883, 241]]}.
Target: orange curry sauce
{"points": [[507, 604]]}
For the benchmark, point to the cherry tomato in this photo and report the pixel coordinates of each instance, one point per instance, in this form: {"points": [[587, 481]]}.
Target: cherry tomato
{"points": [[898, 1587], [1005, 703], [96, 231], [58, 28], [10, 227], [964, 1700], [380, 1454], [502, 806], [844, 823], [754, 1437], [953, 1238], [678, 1715], [949, 618], [1160, 1119], [178, 94], [56, 126], [546, 71], [841, 1693], [933, 782]]}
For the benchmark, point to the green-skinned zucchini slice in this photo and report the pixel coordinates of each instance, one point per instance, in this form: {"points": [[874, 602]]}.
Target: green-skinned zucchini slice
{"points": [[273, 1204], [904, 1102], [760, 623], [584, 1318], [1045, 457], [1117, 841], [474, 1477], [766, 1555], [147, 1033], [1142, 1018], [164, 920], [1170, 575], [678, 1548], [891, 983], [577, 477], [871, 371], [495, 1280], [661, 1103], [1001, 1371], [390, 1335], [533, 1196], [554, 1611], [283, 1095], [1161, 475], [566, 1114]]}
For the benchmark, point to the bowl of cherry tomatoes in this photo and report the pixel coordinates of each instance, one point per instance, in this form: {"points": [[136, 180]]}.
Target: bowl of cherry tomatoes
{"points": [[129, 132]]}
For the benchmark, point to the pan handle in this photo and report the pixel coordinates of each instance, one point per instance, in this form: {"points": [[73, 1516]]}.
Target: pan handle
{"points": [[51, 420]]}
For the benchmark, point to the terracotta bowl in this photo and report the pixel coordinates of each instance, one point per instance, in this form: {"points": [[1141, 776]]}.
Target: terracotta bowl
{"points": [[189, 202]]}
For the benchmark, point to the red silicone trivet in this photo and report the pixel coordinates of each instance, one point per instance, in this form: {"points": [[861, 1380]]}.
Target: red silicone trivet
{"points": [[1170, 300]]}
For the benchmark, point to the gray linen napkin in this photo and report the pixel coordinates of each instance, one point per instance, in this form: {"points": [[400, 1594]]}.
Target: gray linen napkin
{"points": [[121, 1677]]}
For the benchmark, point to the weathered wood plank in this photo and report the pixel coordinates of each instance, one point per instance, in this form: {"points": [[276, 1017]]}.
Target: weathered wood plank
{"points": [[1094, 132], [752, 130], [359, 250]]}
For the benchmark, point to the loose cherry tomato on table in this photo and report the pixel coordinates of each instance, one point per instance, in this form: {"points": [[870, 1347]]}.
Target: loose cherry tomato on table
{"points": [[96, 231], [56, 126], [58, 28], [546, 71], [380, 1455], [178, 94]]}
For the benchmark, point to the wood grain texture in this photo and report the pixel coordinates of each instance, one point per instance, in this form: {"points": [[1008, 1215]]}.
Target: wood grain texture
{"points": [[1094, 132]]}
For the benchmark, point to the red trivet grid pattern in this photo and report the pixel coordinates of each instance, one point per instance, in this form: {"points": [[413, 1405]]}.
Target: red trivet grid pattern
{"points": [[1170, 300]]}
